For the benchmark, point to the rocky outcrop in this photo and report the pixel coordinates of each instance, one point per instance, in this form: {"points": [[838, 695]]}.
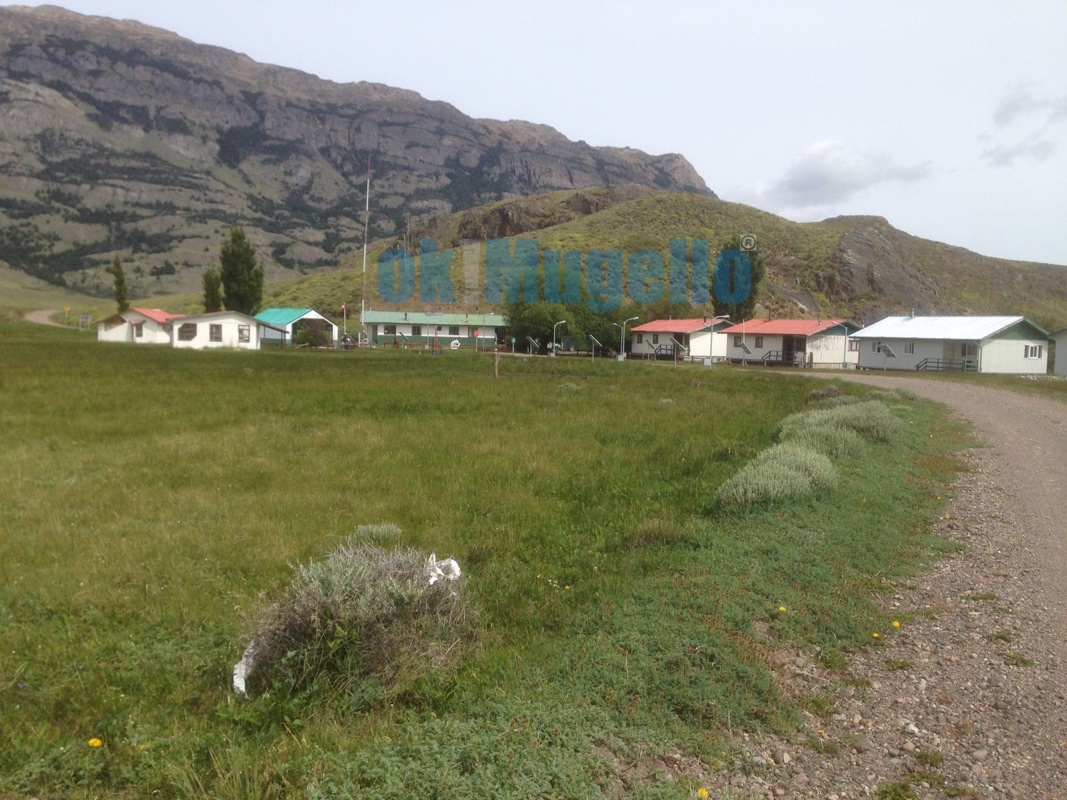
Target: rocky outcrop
{"points": [[122, 139]]}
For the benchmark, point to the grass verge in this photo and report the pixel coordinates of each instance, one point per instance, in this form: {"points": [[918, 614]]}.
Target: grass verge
{"points": [[151, 497]]}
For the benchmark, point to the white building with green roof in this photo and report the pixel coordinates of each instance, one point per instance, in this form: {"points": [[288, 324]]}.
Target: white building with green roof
{"points": [[418, 328], [287, 322]]}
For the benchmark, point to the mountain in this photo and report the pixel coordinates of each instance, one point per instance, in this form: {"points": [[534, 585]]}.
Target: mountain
{"points": [[117, 138]]}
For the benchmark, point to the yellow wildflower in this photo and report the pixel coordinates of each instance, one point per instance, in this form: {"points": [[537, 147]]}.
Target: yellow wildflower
{"points": [[876, 635], [702, 792], [896, 623], [94, 742], [782, 609]]}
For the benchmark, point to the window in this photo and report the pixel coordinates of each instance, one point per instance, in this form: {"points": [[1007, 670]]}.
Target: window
{"points": [[759, 342], [655, 338], [214, 332], [138, 330], [969, 349], [187, 332], [737, 341], [640, 338], [853, 346], [909, 348], [389, 330], [876, 347], [243, 334], [416, 330], [453, 330], [1034, 350]]}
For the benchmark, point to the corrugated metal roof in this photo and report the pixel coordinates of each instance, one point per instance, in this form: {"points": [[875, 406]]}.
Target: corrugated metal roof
{"points": [[673, 326], [281, 316], [432, 318], [788, 327], [970, 329], [157, 315]]}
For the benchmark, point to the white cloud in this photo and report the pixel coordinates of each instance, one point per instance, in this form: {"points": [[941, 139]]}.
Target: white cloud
{"points": [[1020, 102], [1032, 149], [829, 172], [1024, 110]]}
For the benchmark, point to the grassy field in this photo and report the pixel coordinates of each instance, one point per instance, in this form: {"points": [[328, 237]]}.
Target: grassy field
{"points": [[154, 499]]}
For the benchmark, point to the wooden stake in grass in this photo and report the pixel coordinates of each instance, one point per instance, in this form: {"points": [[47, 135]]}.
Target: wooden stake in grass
{"points": [[496, 363]]}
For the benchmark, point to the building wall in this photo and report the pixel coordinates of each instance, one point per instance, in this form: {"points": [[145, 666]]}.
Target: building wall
{"points": [[230, 330], [1000, 355], [378, 335], [1008, 355], [735, 352], [870, 358], [650, 341], [1061, 352], [151, 331], [830, 350]]}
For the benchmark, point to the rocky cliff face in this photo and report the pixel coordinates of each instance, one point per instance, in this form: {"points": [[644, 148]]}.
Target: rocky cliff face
{"points": [[121, 139]]}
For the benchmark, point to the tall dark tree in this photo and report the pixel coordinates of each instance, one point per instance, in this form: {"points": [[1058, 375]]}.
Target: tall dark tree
{"points": [[212, 290], [122, 295], [738, 275], [241, 275]]}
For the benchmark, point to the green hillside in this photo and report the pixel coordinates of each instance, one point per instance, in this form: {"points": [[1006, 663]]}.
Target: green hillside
{"points": [[856, 267]]}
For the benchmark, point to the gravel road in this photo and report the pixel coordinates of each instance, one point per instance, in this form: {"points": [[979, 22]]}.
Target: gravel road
{"points": [[969, 697]]}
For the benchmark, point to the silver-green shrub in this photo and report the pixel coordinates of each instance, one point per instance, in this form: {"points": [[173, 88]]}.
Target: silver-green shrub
{"points": [[363, 610], [871, 419], [783, 472]]}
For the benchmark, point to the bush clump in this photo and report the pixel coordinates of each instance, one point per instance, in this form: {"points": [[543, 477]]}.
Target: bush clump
{"points": [[818, 395], [870, 419], [362, 611], [785, 471]]}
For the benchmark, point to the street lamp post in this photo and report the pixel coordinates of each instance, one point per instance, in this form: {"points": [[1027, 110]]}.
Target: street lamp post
{"points": [[561, 322], [711, 350], [622, 336]]}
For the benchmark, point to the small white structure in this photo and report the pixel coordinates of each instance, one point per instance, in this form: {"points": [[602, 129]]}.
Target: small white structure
{"points": [[1011, 345], [694, 339], [286, 322], [822, 343], [1060, 362], [422, 328], [137, 325], [218, 329]]}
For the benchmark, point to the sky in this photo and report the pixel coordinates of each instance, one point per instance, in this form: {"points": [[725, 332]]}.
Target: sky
{"points": [[949, 119]]}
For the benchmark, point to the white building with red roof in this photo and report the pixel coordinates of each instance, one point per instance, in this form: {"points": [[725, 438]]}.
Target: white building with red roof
{"points": [[794, 342], [137, 325], [680, 338]]}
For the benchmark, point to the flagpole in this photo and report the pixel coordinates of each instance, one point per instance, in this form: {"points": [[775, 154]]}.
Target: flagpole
{"points": [[363, 289]]}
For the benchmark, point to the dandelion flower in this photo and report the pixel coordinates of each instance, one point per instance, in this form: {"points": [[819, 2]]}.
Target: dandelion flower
{"points": [[896, 623], [782, 609], [702, 792], [876, 635], [567, 588], [94, 742]]}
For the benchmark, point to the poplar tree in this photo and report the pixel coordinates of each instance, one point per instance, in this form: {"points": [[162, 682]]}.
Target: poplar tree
{"points": [[241, 275]]}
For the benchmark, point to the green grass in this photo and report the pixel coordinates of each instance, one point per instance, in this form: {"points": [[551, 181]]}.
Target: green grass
{"points": [[153, 500]]}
